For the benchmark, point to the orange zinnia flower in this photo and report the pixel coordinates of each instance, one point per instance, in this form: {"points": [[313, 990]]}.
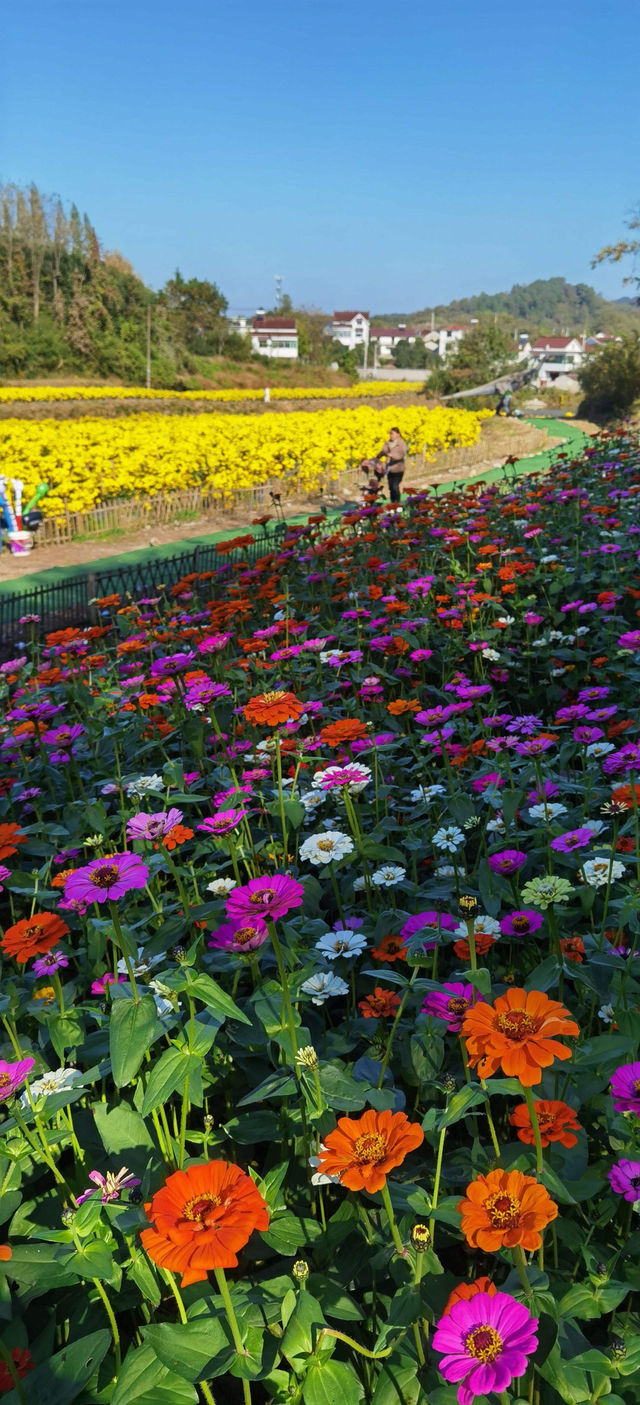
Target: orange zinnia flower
{"points": [[201, 1217], [572, 948], [390, 949], [379, 1006], [483, 940], [338, 734], [178, 834], [557, 1122], [517, 1034], [402, 705], [361, 1151], [505, 1208], [465, 1291], [272, 709], [10, 837], [32, 936], [622, 795]]}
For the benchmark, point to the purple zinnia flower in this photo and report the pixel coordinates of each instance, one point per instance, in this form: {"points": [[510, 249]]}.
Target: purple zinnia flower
{"points": [[451, 1003], [98, 987], [520, 923], [440, 921], [540, 795], [625, 1179], [265, 897], [240, 936], [486, 1343], [12, 1075], [4, 874], [573, 839], [223, 822], [508, 861], [49, 964], [153, 826], [104, 880], [110, 1185], [625, 1087]]}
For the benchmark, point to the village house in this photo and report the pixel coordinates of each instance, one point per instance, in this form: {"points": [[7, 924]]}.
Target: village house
{"points": [[386, 339], [276, 337], [558, 356], [351, 329]]}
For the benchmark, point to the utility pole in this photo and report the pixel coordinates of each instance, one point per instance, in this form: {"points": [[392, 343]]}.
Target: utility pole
{"points": [[148, 346]]}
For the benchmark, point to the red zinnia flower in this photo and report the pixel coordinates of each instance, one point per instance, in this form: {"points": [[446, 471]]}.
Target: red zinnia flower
{"points": [[32, 936]]}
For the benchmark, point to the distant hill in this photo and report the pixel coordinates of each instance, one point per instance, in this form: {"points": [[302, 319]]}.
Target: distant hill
{"points": [[548, 305]]}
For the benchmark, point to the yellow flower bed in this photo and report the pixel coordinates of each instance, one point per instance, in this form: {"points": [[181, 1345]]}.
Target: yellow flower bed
{"points": [[88, 461], [18, 394]]}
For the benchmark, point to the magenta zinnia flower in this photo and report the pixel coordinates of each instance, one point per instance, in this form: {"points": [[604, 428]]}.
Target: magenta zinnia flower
{"points": [[240, 936], [486, 1343], [105, 879], [223, 822], [520, 923], [625, 1086], [438, 921], [508, 861], [12, 1075], [573, 839], [110, 1186], [451, 1003], [265, 897], [625, 1179], [98, 987], [49, 964]]}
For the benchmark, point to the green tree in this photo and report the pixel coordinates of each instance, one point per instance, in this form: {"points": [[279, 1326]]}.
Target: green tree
{"points": [[623, 249], [196, 312], [611, 379], [485, 352]]}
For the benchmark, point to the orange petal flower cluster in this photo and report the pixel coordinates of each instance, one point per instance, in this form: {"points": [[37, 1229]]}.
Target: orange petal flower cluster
{"points": [[362, 1151], [517, 1034], [32, 936], [382, 1005], [273, 709], [466, 1291], [10, 837], [349, 729], [505, 1208], [201, 1217], [557, 1122]]}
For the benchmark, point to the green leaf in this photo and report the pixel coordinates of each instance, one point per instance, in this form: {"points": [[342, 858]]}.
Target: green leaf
{"points": [[212, 995], [196, 1350], [146, 1381], [460, 1104], [141, 1272], [302, 1329], [168, 1074], [42, 1266], [92, 1261], [341, 1090], [279, 1084], [570, 1382], [259, 1126], [60, 1380], [398, 1383], [328, 1382], [131, 1026], [288, 1234]]}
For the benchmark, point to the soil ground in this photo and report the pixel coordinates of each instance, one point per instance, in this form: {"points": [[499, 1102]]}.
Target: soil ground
{"points": [[530, 442]]}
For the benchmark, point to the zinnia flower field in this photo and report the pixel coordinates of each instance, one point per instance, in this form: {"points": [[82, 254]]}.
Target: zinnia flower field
{"points": [[319, 1074]]}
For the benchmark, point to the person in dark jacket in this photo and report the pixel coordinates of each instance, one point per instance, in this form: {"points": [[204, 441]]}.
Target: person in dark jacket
{"points": [[394, 451]]}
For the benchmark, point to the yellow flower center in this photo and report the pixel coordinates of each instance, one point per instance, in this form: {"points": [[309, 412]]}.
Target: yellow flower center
{"points": [[520, 924], [273, 697], [243, 935], [5, 1079], [517, 1024], [263, 897], [458, 1005], [503, 1210], [484, 1343], [371, 1146], [325, 844], [199, 1209], [104, 876]]}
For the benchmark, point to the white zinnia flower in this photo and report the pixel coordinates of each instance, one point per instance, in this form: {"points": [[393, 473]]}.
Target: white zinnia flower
{"points": [[598, 872], [142, 966], [600, 748], [327, 847], [323, 985], [320, 1177], [425, 793], [445, 870], [388, 875], [548, 811], [145, 785], [58, 1080], [606, 1013], [448, 837], [312, 800], [496, 825], [221, 886], [341, 943]]}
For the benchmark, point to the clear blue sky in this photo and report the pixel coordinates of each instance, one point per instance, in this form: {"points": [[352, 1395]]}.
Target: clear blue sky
{"points": [[375, 154]]}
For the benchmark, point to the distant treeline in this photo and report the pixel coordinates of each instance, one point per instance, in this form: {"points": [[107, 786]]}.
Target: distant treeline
{"points": [[546, 306]]}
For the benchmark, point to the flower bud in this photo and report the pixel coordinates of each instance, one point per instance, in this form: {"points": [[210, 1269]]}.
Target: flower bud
{"points": [[68, 1216], [208, 1122], [300, 1270], [468, 905], [135, 1195], [618, 1348], [420, 1238], [307, 1057], [179, 953], [448, 1083]]}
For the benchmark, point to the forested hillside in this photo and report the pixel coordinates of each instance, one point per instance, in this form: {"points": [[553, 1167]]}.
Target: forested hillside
{"points": [[547, 305]]}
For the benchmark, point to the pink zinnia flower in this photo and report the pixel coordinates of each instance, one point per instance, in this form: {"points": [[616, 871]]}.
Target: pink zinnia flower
{"points": [[4, 874], [52, 962], [265, 897], [624, 1177], [104, 880], [451, 1003], [486, 1343], [110, 1186], [625, 1086], [439, 921], [98, 987], [240, 936], [221, 823], [153, 826], [13, 1075]]}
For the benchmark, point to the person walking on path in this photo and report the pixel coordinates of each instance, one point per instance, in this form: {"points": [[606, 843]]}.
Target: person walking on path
{"points": [[394, 451]]}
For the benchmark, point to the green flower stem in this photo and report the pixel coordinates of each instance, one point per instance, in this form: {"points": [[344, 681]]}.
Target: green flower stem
{"points": [[520, 1264], [355, 1346], [233, 1324], [44, 1145], [392, 1031], [536, 1131], [170, 1280], [112, 1321], [395, 1233], [121, 943], [184, 896], [473, 960], [286, 996], [492, 1131], [15, 1044], [436, 1191], [57, 985], [283, 819], [356, 832]]}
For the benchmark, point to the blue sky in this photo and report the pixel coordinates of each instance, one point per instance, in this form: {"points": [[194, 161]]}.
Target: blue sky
{"points": [[376, 155]]}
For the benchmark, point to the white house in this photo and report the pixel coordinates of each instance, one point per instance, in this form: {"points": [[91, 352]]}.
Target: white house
{"points": [[558, 356], [351, 328], [274, 336], [386, 339], [449, 339]]}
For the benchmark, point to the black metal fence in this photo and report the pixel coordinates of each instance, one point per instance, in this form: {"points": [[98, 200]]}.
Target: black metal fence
{"points": [[67, 602]]}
